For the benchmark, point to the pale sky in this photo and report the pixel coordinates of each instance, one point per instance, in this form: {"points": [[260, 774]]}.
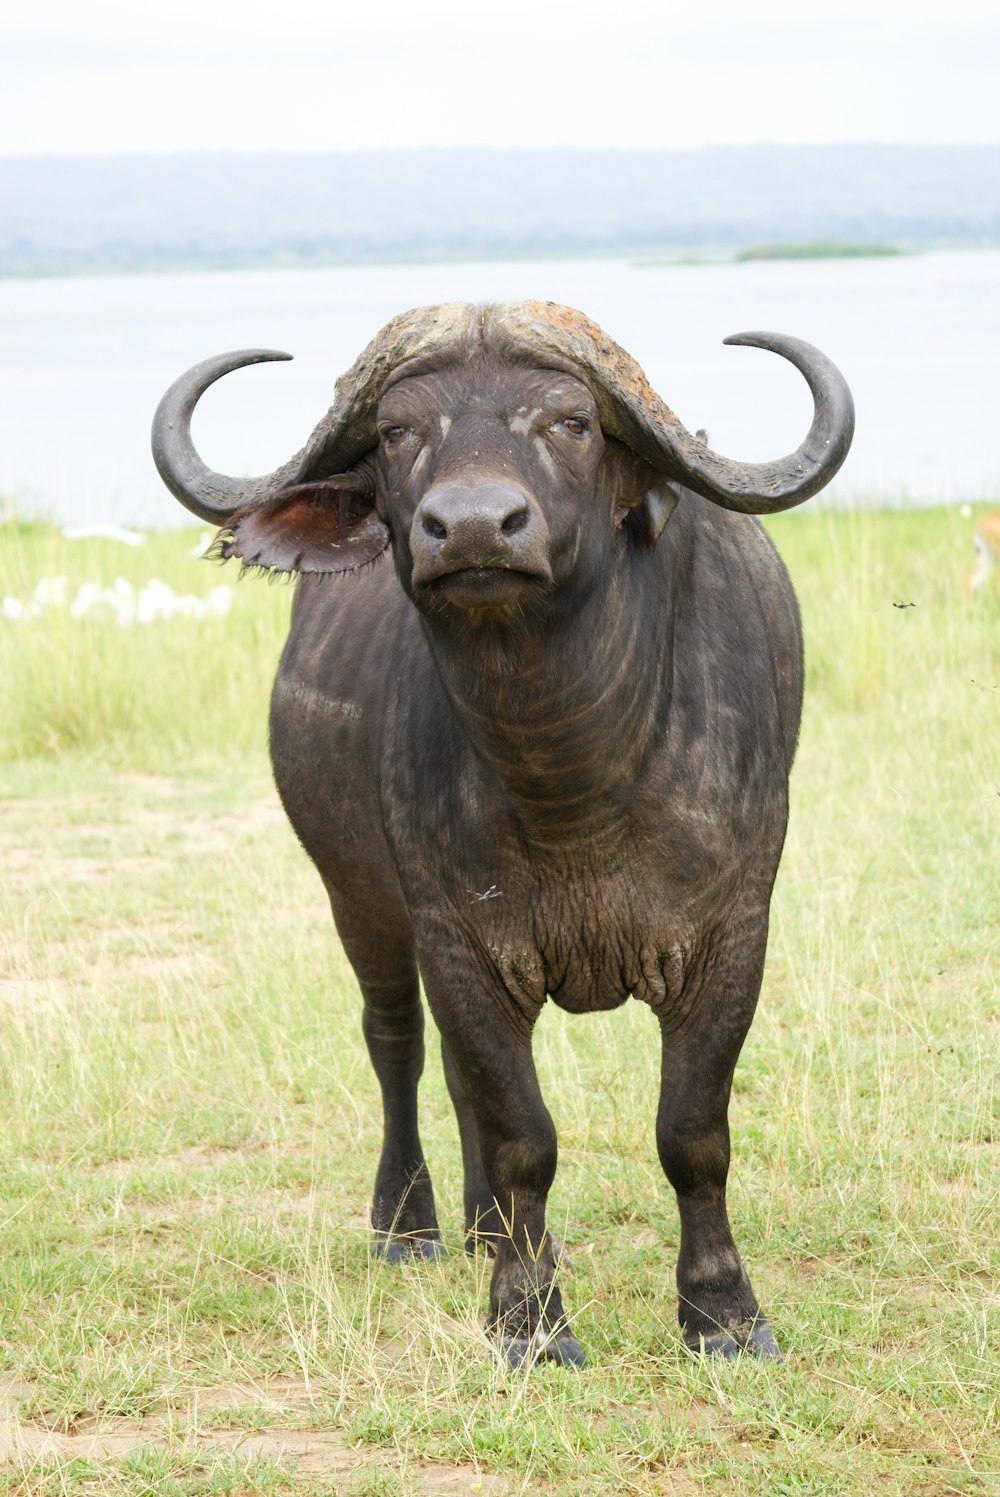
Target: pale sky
{"points": [[139, 75]]}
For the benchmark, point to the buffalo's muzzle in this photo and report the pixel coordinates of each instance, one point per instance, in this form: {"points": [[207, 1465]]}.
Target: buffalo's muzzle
{"points": [[478, 527]]}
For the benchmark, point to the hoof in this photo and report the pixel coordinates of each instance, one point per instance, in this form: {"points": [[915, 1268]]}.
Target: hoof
{"points": [[753, 1340], [564, 1351], [761, 1342], [402, 1249]]}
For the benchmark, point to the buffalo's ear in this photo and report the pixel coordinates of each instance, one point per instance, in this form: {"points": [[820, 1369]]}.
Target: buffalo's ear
{"points": [[638, 493], [326, 526], [659, 501], [654, 510]]}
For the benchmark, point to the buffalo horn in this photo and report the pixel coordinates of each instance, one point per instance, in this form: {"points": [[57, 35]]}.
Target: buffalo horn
{"points": [[209, 495], [633, 412], [767, 488]]}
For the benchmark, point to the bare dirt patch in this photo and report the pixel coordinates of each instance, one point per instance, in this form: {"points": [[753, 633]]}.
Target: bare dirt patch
{"points": [[36, 991], [163, 786], [37, 866], [154, 808], [262, 810], [306, 1452], [63, 988]]}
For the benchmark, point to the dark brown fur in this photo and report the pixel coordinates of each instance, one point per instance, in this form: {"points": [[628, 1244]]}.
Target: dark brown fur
{"points": [[522, 786]]}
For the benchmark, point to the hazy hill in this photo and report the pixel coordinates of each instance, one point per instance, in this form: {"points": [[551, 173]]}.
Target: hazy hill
{"points": [[72, 214]]}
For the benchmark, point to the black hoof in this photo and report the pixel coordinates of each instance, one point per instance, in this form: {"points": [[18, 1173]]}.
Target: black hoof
{"points": [[402, 1249], [761, 1342], [755, 1340], [564, 1351]]}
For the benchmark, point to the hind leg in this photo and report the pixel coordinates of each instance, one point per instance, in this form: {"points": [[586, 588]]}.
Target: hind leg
{"points": [[381, 954]]}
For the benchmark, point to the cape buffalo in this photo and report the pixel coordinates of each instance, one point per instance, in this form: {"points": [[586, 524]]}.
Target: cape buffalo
{"points": [[544, 752]]}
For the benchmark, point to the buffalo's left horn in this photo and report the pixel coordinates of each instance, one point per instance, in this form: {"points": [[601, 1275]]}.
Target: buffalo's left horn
{"points": [[766, 488], [633, 413], [209, 495]]}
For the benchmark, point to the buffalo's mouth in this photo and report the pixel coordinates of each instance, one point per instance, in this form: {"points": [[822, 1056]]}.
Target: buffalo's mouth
{"points": [[487, 587]]}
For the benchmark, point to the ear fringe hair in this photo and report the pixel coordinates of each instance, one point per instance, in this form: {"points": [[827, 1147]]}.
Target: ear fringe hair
{"points": [[214, 552], [269, 574], [225, 537]]}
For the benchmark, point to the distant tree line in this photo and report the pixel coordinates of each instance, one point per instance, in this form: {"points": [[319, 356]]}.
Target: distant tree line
{"points": [[64, 215]]}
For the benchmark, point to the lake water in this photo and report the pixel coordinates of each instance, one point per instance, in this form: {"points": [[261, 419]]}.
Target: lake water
{"points": [[83, 362]]}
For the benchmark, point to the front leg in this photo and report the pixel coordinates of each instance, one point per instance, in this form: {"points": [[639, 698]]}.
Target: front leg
{"points": [[703, 1034], [488, 1045], [381, 953], [483, 1226]]}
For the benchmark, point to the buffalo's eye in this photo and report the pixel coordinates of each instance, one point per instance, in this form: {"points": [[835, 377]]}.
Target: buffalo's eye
{"points": [[393, 434], [577, 426]]}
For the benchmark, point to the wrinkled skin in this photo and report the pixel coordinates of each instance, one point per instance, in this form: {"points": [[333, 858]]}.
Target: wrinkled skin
{"points": [[544, 751]]}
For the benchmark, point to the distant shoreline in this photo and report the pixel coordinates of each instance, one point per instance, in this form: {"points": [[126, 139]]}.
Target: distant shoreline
{"points": [[637, 260], [175, 213]]}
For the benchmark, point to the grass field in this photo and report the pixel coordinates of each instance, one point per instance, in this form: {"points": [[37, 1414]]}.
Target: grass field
{"points": [[190, 1125]]}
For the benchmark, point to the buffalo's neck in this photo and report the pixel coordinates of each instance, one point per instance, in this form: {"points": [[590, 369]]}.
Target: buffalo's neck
{"points": [[564, 710]]}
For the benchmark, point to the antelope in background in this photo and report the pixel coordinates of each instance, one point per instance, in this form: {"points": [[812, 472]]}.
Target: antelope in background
{"points": [[986, 538]]}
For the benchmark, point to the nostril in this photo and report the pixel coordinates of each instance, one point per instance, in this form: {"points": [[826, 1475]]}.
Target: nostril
{"points": [[515, 522], [433, 527]]}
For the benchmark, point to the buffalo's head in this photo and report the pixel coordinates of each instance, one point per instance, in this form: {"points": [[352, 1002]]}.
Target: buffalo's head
{"points": [[495, 448]]}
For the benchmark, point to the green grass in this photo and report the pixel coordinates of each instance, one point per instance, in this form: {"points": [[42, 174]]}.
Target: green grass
{"points": [[187, 1301]]}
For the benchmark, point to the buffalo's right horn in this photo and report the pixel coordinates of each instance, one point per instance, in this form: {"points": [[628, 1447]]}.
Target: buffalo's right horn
{"points": [[209, 495]]}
